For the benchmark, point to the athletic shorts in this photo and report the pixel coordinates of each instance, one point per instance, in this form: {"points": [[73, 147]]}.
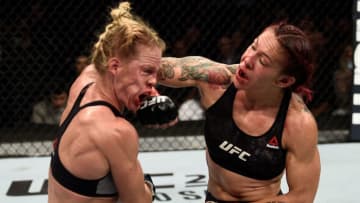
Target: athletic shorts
{"points": [[211, 199]]}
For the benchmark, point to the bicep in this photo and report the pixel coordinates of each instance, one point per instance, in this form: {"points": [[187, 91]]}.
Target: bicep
{"points": [[303, 165], [303, 176]]}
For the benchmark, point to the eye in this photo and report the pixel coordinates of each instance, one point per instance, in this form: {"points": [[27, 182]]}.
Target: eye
{"points": [[263, 61], [253, 47], [149, 71]]}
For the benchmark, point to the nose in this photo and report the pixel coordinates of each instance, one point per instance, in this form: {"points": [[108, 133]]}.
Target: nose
{"points": [[248, 63], [248, 58], [152, 81]]}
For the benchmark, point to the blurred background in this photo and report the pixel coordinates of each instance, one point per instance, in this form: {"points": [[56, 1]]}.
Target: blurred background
{"points": [[45, 44]]}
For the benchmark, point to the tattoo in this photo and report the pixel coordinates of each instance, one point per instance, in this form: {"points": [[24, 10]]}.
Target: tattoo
{"points": [[306, 109], [205, 72], [193, 72], [301, 101], [166, 71], [232, 68], [197, 68]]}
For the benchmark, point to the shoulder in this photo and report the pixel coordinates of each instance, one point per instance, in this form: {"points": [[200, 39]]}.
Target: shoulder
{"points": [[110, 134], [102, 120], [121, 142], [300, 126]]}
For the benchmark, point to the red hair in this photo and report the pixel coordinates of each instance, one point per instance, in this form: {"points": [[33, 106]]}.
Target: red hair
{"points": [[300, 57]]}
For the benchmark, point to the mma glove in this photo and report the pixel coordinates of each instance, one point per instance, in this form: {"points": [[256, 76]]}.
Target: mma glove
{"points": [[150, 184], [157, 110]]}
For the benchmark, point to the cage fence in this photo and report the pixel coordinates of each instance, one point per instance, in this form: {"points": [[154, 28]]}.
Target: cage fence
{"points": [[40, 42]]}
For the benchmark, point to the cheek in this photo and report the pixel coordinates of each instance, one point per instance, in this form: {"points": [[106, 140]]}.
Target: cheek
{"points": [[133, 86], [132, 90], [265, 75]]}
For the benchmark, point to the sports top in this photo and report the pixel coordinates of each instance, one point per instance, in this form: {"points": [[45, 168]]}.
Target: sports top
{"points": [[259, 157], [102, 187]]}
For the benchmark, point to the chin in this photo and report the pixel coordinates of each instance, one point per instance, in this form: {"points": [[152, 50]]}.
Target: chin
{"points": [[238, 85]]}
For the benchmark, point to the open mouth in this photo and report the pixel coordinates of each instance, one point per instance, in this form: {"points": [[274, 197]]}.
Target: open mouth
{"points": [[242, 74], [143, 97]]}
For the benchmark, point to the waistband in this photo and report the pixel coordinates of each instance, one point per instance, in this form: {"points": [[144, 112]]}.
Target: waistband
{"points": [[211, 199]]}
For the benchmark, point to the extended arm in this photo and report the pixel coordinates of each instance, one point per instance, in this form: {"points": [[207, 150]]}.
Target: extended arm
{"points": [[192, 71]]}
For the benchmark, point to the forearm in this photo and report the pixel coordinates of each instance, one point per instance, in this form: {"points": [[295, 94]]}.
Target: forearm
{"points": [[192, 70], [135, 190], [179, 72]]}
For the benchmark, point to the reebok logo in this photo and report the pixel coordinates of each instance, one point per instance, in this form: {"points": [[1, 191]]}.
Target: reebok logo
{"points": [[232, 149], [273, 143]]}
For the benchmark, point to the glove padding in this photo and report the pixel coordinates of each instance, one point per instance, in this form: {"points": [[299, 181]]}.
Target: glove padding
{"points": [[157, 110], [149, 182]]}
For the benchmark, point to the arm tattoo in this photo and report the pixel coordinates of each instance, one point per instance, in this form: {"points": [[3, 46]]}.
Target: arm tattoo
{"points": [[193, 72], [197, 68], [232, 68], [204, 72], [299, 100], [167, 67], [166, 71]]}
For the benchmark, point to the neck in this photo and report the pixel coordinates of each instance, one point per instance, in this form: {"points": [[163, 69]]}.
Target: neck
{"points": [[107, 93], [262, 99]]}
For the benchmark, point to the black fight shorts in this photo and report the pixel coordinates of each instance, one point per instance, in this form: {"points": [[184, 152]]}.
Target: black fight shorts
{"points": [[211, 199]]}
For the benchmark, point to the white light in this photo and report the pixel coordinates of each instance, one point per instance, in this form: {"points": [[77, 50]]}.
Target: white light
{"points": [[356, 99], [356, 118]]}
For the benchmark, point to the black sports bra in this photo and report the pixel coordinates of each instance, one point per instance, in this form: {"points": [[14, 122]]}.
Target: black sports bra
{"points": [[102, 187], [259, 157]]}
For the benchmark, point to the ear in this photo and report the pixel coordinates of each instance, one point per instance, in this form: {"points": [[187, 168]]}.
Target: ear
{"points": [[113, 65], [285, 81]]}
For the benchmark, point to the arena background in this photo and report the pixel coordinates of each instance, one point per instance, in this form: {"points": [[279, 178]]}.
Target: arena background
{"points": [[41, 39]]}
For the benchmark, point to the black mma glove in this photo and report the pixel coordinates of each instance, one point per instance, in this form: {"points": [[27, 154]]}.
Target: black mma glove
{"points": [[157, 110], [149, 182]]}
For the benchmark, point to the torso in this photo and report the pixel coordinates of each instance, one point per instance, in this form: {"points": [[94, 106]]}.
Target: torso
{"points": [[242, 144]]}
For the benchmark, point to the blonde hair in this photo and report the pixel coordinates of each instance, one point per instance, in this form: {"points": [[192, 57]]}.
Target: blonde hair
{"points": [[121, 36]]}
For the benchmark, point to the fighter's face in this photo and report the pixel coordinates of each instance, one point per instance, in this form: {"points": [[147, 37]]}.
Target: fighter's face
{"points": [[138, 76], [261, 63]]}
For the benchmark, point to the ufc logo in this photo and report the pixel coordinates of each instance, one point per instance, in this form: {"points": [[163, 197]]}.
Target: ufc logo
{"points": [[153, 100], [232, 149]]}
